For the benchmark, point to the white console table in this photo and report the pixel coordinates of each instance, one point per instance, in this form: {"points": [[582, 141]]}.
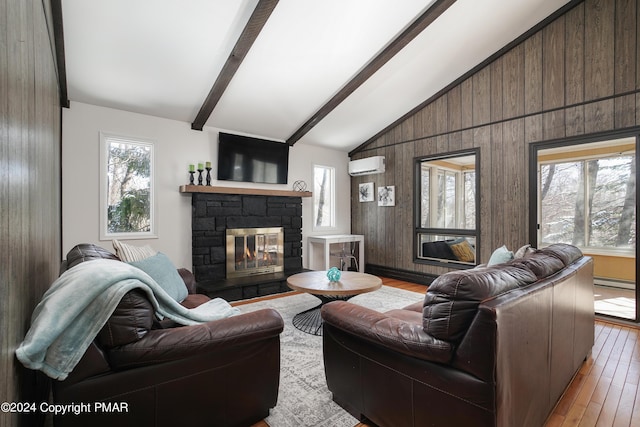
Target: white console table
{"points": [[327, 241]]}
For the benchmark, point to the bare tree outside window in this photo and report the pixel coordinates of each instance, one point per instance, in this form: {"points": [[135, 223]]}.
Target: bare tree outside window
{"points": [[127, 198], [323, 196], [589, 202]]}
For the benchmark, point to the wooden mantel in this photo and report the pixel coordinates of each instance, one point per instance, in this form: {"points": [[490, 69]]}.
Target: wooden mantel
{"points": [[237, 190]]}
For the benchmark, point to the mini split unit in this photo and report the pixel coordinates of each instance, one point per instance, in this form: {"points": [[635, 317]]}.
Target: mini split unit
{"points": [[367, 166]]}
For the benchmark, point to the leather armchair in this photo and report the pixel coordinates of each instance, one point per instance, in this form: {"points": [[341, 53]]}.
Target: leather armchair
{"points": [[222, 373]]}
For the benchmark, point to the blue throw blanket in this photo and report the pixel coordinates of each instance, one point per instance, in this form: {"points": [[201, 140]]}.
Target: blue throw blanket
{"points": [[79, 303]]}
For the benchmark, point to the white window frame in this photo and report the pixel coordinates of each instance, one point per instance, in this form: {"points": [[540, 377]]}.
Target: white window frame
{"points": [[105, 139], [331, 197]]}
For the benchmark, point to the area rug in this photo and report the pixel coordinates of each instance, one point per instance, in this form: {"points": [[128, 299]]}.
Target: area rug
{"points": [[303, 397]]}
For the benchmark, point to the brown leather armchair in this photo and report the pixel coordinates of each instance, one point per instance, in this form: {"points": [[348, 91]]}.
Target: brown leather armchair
{"points": [[141, 372]]}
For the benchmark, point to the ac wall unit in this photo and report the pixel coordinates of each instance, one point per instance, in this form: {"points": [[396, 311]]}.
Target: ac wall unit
{"points": [[367, 166]]}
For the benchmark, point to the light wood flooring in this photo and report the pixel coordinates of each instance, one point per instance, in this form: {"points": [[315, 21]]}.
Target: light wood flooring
{"points": [[606, 390]]}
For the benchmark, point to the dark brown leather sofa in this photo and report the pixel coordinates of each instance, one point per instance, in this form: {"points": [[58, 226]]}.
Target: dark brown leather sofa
{"points": [[221, 373], [491, 346]]}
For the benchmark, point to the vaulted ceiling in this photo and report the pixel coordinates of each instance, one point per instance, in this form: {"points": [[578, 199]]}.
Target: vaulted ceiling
{"points": [[333, 73]]}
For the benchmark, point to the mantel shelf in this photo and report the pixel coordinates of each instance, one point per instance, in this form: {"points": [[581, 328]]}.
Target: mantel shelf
{"points": [[236, 190]]}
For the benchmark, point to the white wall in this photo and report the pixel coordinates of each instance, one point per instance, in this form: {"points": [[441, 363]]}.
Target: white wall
{"points": [[176, 146]]}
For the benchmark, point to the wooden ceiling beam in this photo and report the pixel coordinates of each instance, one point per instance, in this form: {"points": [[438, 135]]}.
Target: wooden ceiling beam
{"points": [[422, 22], [58, 36], [250, 33]]}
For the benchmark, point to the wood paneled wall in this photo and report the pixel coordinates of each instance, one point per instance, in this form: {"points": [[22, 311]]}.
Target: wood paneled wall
{"points": [[29, 183], [578, 75]]}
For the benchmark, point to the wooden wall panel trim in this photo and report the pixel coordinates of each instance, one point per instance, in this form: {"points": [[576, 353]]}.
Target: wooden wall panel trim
{"points": [[553, 71], [498, 185], [466, 89], [482, 140], [482, 97], [454, 106], [30, 234], [624, 111], [624, 41], [516, 183], [496, 98], [599, 116], [574, 55], [441, 115], [553, 124], [574, 121], [513, 82], [599, 57], [533, 74], [637, 45]]}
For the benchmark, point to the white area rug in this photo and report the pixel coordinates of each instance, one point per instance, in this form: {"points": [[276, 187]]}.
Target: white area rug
{"points": [[303, 397]]}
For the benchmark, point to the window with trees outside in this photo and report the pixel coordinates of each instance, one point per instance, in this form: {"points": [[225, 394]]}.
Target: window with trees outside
{"points": [[126, 196], [446, 216], [587, 196], [323, 197]]}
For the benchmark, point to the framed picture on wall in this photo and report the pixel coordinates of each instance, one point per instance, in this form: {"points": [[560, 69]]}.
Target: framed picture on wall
{"points": [[365, 192], [387, 195]]}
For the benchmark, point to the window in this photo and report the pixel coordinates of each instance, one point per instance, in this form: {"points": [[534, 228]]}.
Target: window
{"points": [[587, 196], [323, 197], [126, 190], [446, 208]]}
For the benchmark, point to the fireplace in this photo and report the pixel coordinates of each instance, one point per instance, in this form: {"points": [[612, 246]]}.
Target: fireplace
{"points": [[253, 251], [215, 213]]}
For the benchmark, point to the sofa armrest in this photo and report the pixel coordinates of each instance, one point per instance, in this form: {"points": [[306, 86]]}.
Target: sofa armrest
{"points": [[164, 345], [395, 334]]}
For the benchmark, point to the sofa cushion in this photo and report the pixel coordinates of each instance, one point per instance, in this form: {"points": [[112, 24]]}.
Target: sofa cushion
{"points": [[565, 253], [162, 270], [541, 264], [452, 299]]}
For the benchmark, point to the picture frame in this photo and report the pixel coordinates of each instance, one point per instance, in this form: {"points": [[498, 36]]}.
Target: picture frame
{"points": [[387, 195], [365, 192]]}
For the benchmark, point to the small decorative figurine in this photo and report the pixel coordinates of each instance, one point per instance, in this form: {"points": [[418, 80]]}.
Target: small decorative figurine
{"points": [[333, 274], [208, 168], [200, 170]]}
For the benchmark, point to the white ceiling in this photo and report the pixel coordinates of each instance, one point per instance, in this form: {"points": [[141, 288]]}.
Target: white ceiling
{"points": [[161, 57]]}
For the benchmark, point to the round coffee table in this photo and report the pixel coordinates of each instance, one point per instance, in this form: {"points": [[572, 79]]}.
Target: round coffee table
{"points": [[351, 283]]}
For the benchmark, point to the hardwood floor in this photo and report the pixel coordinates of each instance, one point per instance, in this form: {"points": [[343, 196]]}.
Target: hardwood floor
{"points": [[606, 390]]}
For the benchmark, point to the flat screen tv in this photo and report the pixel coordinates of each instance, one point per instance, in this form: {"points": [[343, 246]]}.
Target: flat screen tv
{"points": [[247, 159]]}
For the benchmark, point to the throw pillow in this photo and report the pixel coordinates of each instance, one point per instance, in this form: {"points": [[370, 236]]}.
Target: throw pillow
{"points": [[463, 251], [162, 270], [524, 251], [500, 255], [130, 253]]}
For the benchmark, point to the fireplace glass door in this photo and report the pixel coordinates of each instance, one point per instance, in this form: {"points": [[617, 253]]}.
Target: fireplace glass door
{"points": [[252, 251]]}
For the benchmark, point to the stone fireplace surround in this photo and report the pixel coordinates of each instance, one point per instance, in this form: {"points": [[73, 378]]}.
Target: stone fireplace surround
{"points": [[213, 213]]}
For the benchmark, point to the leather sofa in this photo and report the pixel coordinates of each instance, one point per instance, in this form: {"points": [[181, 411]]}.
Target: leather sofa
{"points": [[489, 346], [142, 372]]}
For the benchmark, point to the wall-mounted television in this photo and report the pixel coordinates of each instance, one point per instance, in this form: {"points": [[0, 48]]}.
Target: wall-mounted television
{"points": [[247, 159]]}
